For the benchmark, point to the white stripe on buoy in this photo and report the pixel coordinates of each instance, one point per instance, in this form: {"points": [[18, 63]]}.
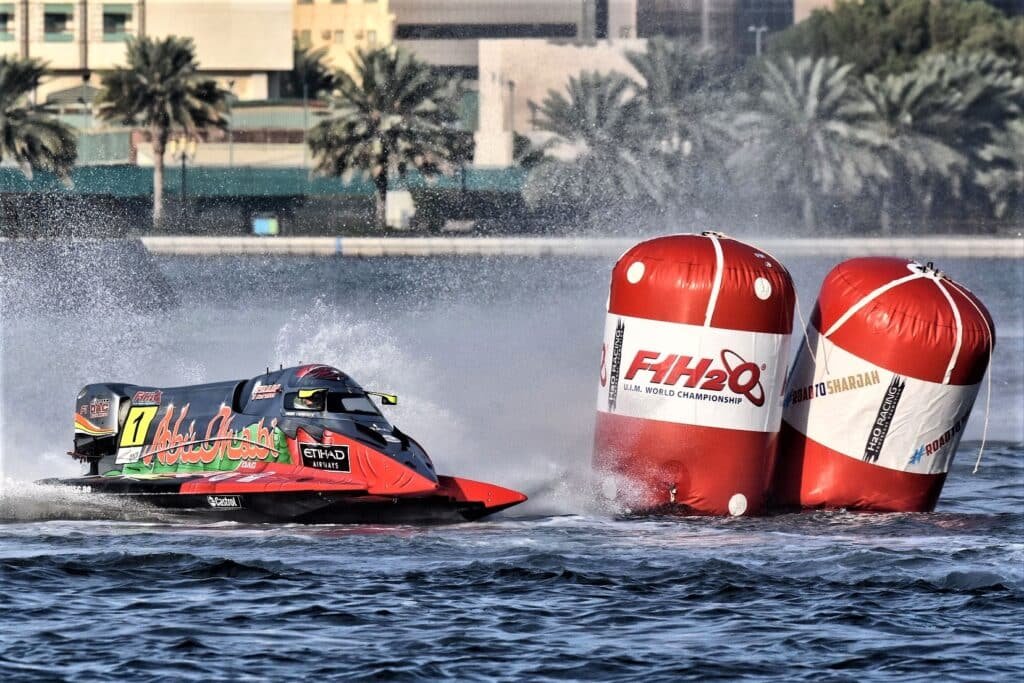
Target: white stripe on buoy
{"points": [[717, 284], [959, 331], [869, 298]]}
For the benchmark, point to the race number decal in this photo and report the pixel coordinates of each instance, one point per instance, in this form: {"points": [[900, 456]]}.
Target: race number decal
{"points": [[136, 426]]}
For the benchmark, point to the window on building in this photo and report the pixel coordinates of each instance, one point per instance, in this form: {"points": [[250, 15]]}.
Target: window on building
{"points": [[371, 38], [305, 2], [339, 37], [339, 2], [325, 34], [478, 31], [6, 22], [117, 20], [305, 38], [58, 23]]}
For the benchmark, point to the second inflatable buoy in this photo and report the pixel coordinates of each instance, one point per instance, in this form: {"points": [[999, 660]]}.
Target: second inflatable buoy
{"points": [[877, 405], [692, 369]]}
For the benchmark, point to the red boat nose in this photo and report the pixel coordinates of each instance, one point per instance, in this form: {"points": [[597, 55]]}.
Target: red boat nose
{"points": [[492, 497]]}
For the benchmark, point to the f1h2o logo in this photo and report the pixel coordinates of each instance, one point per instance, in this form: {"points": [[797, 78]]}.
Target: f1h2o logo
{"points": [[741, 377]]}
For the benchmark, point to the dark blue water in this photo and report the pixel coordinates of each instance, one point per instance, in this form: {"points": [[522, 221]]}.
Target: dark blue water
{"points": [[496, 362]]}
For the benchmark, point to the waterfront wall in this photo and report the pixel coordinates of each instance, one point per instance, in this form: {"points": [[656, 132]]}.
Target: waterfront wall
{"points": [[915, 247]]}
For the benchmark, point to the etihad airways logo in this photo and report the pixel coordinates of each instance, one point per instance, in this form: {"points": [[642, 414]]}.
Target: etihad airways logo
{"points": [[729, 373]]}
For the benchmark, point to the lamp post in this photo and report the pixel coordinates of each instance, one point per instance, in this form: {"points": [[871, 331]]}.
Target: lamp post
{"points": [[183, 147], [86, 75], [758, 31], [512, 105], [305, 118], [231, 127]]}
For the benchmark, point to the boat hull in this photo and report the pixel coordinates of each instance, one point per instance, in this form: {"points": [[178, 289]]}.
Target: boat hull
{"points": [[456, 500]]}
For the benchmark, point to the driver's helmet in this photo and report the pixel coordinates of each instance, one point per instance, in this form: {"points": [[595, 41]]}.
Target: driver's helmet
{"points": [[310, 399]]}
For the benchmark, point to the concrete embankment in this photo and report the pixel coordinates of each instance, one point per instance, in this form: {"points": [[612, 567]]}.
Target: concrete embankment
{"points": [[922, 247]]}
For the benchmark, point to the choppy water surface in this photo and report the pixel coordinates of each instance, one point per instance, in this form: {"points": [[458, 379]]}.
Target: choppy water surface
{"points": [[496, 363]]}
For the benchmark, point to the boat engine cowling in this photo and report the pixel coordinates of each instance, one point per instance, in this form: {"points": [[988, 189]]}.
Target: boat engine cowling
{"points": [[99, 413]]}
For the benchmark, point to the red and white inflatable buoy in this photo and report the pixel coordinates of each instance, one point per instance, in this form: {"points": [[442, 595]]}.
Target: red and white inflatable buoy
{"points": [[875, 409], [692, 371]]}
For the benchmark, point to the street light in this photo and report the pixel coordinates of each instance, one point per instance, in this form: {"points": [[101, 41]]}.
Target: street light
{"points": [[305, 118], [183, 147], [758, 31], [511, 105], [231, 128], [85, 104]]}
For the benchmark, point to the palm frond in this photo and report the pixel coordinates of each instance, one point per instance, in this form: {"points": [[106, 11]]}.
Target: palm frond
{"points": [[29, 137]]}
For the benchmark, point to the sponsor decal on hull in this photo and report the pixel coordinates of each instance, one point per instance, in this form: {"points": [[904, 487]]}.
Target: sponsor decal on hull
{"points": [[85, 426], [264, 391], [96, 408], [692, 374], [875, 415], [175, 447], [324, 457], [223, 501], [148, 398]]}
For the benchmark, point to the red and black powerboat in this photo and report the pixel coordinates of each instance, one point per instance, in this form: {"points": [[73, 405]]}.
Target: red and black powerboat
{"points": [[303, 444]]}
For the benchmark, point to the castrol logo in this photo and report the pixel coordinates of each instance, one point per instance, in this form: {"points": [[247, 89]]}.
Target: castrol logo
{"points": [[728, 372]]}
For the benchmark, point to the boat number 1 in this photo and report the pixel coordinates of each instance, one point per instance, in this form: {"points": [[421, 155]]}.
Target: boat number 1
{"points": [[136, 426]]}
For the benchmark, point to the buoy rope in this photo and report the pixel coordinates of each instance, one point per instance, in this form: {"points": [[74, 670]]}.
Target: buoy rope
{"points": [[988, 390], [717, 285], [807, 340]]}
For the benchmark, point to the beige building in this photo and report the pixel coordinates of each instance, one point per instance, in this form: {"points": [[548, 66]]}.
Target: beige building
{"points": [[241, 43], [803, 8], [448, 33], [514, 73], [343, 27]]}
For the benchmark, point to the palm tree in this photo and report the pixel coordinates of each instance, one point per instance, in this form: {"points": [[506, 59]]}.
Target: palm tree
{"points": [[917, 115], [28, 137], [394, 114], [1002, 176], [598, 122], [685, 93], [311, 75], [161, 89], [947, 122], [811, 133]]}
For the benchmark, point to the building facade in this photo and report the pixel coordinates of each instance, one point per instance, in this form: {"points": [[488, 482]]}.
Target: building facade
{"points": [[242, 44], [342, 27], [734, 26], [803, 8], [516, 76], [447, 33]]}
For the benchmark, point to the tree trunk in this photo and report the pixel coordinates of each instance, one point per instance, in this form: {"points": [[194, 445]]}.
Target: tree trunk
{"points": [[380, 183], [810, 221], [885, 214], [159, 136]]}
